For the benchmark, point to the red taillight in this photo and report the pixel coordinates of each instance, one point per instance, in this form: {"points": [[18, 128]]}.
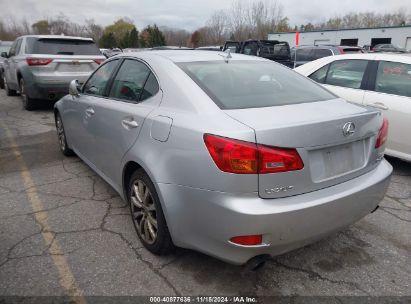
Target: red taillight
{"points": [[341, 50], [38, 61], [231, 155], [241, 157], [382, 134], [98, 61], [247, 240], [273, 160]]}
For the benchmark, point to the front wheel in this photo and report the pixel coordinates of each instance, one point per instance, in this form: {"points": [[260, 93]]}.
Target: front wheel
{"points": [[62, 137], [9, 92], [28, 103], [147, 214]]}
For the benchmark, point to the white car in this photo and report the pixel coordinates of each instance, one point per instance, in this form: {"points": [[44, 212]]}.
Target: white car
{"points": [[382, 81]]}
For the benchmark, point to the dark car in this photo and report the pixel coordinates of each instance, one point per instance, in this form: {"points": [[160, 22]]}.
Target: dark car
{"points": [[306, 53], [278, 51], [388, 48], [4, 48]]}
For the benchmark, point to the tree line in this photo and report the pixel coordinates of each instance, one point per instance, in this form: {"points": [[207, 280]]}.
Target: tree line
{"points": [[245, 19]]}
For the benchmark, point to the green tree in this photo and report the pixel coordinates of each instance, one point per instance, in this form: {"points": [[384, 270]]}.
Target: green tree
{"points": [[120, 30], [108, 41], [41, 27], [151, 36], [133, 38]]}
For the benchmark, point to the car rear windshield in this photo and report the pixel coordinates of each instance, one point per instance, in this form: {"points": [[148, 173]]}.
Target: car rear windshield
{"points": [[57, 46], [253, 84]]}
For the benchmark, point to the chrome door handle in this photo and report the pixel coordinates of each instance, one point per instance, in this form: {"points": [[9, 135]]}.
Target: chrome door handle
{"points": [[90, 111], [379, 105], [130, 123]]}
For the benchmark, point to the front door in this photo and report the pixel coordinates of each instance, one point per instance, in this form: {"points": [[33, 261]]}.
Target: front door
{"points": [[134, 93]]}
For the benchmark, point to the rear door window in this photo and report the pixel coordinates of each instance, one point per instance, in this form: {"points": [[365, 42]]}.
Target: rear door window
{"points": [[393, 78], [60, 46], [320, 53], [346, 73], [130, 80]]}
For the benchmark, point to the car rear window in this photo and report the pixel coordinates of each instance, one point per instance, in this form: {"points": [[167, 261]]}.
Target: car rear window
{"points": [[57, 46], [253, 84]]}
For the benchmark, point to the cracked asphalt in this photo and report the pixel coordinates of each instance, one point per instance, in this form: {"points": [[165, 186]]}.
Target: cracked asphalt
{"points": [[82, 221]]}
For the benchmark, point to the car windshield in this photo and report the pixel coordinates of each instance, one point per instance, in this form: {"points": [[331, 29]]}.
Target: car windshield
{"points": [[64, 46], [253, 84]]}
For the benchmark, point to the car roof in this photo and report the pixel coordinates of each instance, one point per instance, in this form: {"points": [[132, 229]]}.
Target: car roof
{"points": [[57, 37], [189, 55]]}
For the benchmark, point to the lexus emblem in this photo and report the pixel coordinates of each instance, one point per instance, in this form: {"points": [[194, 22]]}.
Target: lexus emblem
{"points": [[348, 129]]}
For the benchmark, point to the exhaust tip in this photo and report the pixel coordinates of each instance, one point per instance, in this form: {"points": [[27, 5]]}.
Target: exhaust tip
{"points": [[257, 262], [375, 209]]}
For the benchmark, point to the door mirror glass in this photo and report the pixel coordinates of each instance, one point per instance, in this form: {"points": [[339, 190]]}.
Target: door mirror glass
{"points": [[74, 88]]}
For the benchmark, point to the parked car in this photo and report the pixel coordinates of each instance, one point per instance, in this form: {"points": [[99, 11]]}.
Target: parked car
{"points": [[4, 48], [112, 52], [42, 66], [235, 156], [382, 81], [278, 51], [388, 48], [170, 47], [302, 54]]}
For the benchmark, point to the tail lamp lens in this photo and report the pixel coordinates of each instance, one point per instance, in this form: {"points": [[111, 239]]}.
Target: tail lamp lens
{"points": [[247, 240], [241, 157], [382, 134], [98, 61], [38, 61]]}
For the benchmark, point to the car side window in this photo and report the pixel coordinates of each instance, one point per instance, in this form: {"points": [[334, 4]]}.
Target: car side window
{"points": [[12, 50], [251, 48], [150, 88], [320, 75], [393, 78], [97, 83], [320, 53], [18, 45], [346, 73], [129, 82]]}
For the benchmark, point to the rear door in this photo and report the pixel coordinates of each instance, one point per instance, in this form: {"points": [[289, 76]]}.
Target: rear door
{"points": [[118, 121], [392, 95]]}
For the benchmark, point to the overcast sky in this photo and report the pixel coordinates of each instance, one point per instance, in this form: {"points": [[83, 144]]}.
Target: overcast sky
{"points": [[187, 14]]}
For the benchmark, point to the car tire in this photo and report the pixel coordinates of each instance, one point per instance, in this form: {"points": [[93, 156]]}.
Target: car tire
{"points": [[1, 80], [61, 134], [9, 92], [28, 103], [147, 214]]}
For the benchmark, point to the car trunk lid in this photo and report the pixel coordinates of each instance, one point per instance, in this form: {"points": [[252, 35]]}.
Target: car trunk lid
{"points": [[316, 131]]}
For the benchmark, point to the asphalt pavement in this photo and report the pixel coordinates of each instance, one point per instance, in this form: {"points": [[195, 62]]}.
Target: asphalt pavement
{"points": [[64, 231]]}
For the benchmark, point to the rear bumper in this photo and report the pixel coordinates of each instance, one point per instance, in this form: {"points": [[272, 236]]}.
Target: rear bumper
{"points": [[205, 220], [49, 90]]}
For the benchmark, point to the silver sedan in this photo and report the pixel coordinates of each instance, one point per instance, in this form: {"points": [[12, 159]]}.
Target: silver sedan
{"points": [[231, 155]]}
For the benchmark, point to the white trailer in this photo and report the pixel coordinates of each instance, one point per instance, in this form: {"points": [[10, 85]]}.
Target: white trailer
{"points": [[397, 35]]}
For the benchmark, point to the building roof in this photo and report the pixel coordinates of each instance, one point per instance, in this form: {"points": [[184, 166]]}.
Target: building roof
{"points": [[345, 29]]}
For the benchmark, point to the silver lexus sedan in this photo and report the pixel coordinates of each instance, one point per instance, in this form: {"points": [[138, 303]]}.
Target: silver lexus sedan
{"points": [[231, 155]]}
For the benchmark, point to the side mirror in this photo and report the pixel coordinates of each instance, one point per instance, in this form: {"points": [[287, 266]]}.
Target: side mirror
{"points": [[4, 55], [74, 88]]}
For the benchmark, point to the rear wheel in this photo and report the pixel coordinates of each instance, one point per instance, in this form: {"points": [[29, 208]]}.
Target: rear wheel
{"points": [[62, 137], [147, 215], [1, 80], [9, 92], [28, 103]]}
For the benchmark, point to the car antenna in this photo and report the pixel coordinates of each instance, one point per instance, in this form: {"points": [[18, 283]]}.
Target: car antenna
{"points": [[227, 55]]}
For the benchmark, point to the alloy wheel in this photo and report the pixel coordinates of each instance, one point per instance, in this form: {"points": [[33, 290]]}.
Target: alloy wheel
{"points": [[60, 133], [144, 211]]}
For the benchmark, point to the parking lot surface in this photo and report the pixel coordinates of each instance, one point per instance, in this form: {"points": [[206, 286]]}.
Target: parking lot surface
{"points": [[64, 231]]}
